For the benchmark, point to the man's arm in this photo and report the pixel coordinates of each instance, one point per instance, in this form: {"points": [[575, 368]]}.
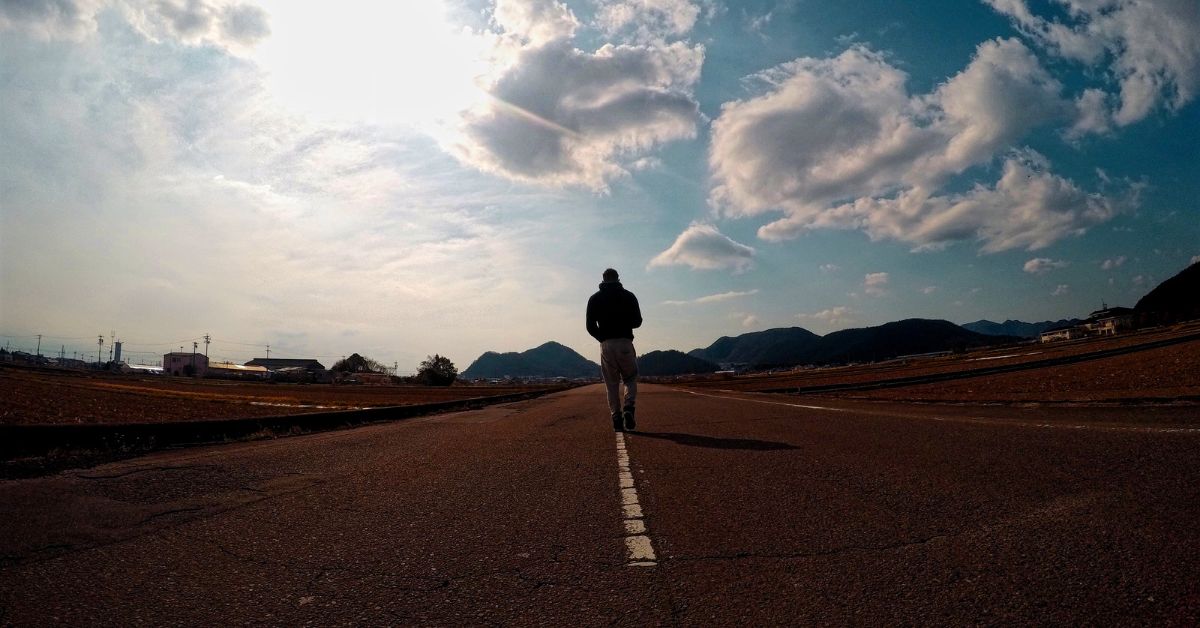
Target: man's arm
{"points": [[635, 319], [593, 326]]}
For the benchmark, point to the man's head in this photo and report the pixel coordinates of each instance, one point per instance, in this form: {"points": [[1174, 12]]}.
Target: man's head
{"points": [[610, 275]]}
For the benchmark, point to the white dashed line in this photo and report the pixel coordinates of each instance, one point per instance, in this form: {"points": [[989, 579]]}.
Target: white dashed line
{"points": [[975, 420], [637, 537]]}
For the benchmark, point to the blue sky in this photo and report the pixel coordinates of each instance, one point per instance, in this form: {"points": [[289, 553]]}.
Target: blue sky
{"points": [[400, 179]]}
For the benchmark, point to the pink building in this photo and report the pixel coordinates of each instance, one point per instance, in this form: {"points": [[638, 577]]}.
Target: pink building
{"points": [[185, 363]]}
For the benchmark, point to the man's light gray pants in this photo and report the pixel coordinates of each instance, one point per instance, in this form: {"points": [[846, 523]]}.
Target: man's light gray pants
{"points": [[618, 362]]}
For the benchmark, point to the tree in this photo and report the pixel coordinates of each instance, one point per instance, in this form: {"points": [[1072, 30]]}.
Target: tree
{"points": [[357, 364], [436, 371]]}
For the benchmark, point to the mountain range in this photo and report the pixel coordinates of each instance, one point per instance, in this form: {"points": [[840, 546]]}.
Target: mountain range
{"points": [[762, 349], [1020, 329], [1177, 298], [549, 360], [672, 362], [795, 345], [769, 347]]}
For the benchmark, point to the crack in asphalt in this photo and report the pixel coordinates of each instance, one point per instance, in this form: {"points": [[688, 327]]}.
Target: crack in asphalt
{"points": [[189, 467], [17, 558], [165, 513], [847, 549], [26, 558], [433, 583]]}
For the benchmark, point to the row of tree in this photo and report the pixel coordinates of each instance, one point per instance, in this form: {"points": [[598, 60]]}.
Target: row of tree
{"points": [[434, 370]]}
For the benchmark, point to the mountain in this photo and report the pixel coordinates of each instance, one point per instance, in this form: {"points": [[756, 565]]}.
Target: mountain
{"points": [[772, 347], [549, 360], [673, 363], [1020, 329], [890, 340], [795, 345], [1175, 299]]}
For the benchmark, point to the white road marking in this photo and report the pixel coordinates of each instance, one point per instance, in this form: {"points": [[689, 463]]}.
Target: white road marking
{"points": [[639, 548], [637, 539], [975, 420]]}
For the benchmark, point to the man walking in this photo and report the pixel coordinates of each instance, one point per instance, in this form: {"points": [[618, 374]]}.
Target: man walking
{"points": [[612, 314]]}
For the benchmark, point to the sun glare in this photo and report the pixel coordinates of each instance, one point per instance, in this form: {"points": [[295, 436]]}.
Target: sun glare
{"points": [[383, 63]]}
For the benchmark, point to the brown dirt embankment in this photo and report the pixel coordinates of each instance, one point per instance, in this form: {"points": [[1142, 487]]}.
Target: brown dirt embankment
{"points": [[29, 397]]}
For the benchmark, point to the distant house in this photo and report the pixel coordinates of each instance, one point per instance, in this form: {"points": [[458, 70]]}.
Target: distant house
{"points": [[144, 369], [70, 363], [1065, 333], [1109, 321], [375, 379], [185, 363], [229, 370], [278, 364]]}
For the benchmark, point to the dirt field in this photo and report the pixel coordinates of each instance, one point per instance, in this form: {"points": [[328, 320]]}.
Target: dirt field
{"points": [[1156, 375], [38, 397], [1163, 374]]}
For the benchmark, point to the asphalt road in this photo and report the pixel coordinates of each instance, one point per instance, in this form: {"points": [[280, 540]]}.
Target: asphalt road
{"points": [[757, 510]]}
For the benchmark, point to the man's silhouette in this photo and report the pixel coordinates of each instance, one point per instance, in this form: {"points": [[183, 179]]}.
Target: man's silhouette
{"points": [[612, 315]]}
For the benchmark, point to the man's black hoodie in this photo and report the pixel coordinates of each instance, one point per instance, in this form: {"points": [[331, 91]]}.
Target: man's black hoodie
{"points": [[613, 312]]}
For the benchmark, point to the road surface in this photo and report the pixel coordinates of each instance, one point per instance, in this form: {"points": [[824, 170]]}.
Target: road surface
{"points": [[736, 509]]}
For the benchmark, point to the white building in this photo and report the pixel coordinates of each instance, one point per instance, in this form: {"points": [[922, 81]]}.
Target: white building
{"points": [[185, 364]]}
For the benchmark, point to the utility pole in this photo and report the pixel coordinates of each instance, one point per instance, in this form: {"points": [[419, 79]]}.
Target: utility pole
{"points": [[62, 352], [268, 352], [195, 345], [99, 348], [206, 341], [39, 349], [112, 337]]}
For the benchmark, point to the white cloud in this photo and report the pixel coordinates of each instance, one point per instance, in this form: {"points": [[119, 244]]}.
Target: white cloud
{"points": [[833, 317], [714, 298], [1043, 265], [929, 289], [1091, 115], [1027, 208], [1115, 262], [830, 268], [703, 247], [1195, 258], [829, 130], [561, 116], [757, 24], [749, 321], [648, 19], [1062, 289], [233, 26], [51, 19], [535, 21], [202, 22], [875, 284], [1139, 281], [1151, 48]]}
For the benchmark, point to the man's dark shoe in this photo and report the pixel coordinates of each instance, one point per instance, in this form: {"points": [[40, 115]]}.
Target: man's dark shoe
{"points": [[630, 424], [618, 422]]}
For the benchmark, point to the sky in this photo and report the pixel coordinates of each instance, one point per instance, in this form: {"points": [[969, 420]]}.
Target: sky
{"points": [[399, 179]]}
